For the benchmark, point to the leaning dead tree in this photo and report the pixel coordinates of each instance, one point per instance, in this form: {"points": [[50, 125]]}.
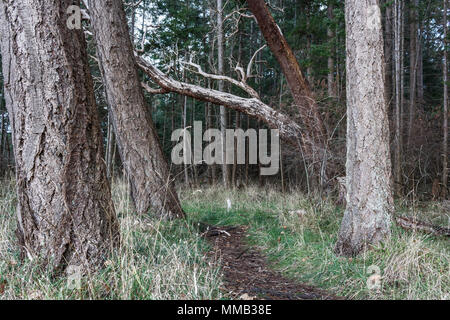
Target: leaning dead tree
{"points": [[315, 138], [152, 188], [290, 131], [65, 213]]}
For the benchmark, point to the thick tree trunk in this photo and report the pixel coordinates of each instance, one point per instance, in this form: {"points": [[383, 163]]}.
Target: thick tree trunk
{"points": [[65, 213], [152, 188], [369, 201], [315, 134]]}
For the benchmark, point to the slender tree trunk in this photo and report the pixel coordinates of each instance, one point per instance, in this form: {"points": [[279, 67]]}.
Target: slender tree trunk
{"points": [[369, 201], [413, 62], [309, 69], [331, 39], [65, 212], [420, 98], [445, 111], [186, 146], [398, 35], [152, 188], [314, 139]]}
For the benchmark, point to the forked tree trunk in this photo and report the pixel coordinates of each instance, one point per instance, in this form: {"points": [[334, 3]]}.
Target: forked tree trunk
{"points": [[369, 201], [314, 139], [65, 213], [152, 188]]}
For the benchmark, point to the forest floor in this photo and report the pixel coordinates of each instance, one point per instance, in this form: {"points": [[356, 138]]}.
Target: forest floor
{"points": [[272, 245], [247, 274]]}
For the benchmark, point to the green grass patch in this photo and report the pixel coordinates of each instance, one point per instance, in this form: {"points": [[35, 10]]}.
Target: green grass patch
{"points": [[298, 236]]}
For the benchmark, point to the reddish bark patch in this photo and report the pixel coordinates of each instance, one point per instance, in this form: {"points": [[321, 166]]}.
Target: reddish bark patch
{"points": [[246, 271]]}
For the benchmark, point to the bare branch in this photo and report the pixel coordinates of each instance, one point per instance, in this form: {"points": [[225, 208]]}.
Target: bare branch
{"points": [[241, 84], [250, 64], [152, 90], [289, 130]]}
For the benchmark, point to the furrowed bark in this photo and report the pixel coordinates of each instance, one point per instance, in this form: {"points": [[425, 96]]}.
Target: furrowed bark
{"points": [[368, 181], [315, 134], [65, 212], [152, 188]]}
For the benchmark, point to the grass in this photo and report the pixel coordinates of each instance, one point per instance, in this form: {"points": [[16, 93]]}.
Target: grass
{"points": [[298, 235], [156, 260], [167, 260]]}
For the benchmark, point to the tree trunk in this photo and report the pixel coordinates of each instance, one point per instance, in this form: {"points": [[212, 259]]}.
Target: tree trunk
{"points": [[223, 111], [2, 136], [388, 53], [152, 188], [369, 201], [110, 142], [315, 134], [420, 98], [398, 36], [330, 35], [413, 62], [65, 213], [445, 111]]}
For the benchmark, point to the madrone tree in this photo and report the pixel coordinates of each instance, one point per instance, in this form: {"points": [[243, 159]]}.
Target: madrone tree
{"points": [[369, 199], [64, 211]]}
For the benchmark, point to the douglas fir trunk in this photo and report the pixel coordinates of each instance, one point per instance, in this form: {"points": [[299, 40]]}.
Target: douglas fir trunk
{"points": [[65, 213], [152, 188], [369, 199]]}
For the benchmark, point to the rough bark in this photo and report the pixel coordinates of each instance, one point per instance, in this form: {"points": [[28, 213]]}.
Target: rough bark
{"points": [[64, 210], [369, 200], [388, 52], [315, 133], [152, 188], [110, 142]]}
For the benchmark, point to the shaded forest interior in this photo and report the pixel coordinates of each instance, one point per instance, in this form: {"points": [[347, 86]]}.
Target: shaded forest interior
{"points": [[90, 100]]}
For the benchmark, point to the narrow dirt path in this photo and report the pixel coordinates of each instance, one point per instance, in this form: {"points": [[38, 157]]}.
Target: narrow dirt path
{"points": [[246, 272]]}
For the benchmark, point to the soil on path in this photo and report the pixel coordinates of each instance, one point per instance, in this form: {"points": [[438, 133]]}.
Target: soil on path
{"points": [[246, 271]]}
